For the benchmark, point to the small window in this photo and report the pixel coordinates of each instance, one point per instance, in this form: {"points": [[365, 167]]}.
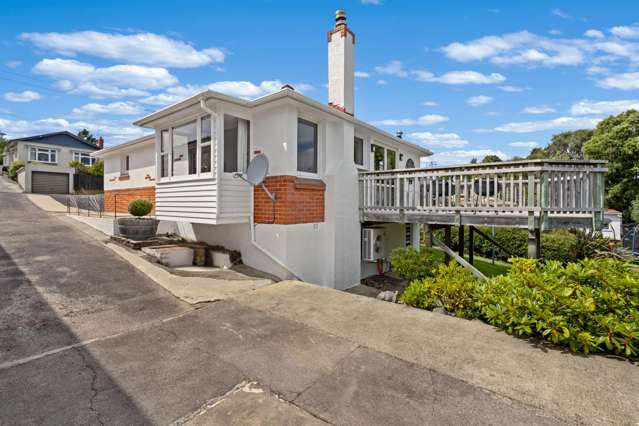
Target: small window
{"points": [[164, 153], [306, 146], [391, 159], [83, 158], [410, 164], [378, 157], [124, 165], [359, 151]]}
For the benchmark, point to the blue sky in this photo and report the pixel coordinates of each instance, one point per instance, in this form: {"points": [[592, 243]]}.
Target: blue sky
{"points": [[463, 78]]}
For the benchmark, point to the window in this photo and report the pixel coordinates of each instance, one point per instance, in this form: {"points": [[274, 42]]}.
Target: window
{"points": [[125, 162], [359, 151], [306, 146], [205, 131], [43, 155], [391, 164], [84, 158], [164, 153], [236, 144], [378, 157], [410, 164], [183, 146]]}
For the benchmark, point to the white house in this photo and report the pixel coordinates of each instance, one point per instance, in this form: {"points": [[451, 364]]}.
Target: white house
{"points": [[47, 159], [312, 231], [612, 225]]}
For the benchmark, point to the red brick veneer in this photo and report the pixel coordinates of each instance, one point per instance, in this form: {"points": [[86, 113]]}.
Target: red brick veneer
{"points": [[124, 196], [297, 200]]}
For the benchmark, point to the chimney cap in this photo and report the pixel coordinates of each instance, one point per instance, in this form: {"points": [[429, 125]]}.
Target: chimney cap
{"points": [[340, 17], [287, 86], [399, 134]]}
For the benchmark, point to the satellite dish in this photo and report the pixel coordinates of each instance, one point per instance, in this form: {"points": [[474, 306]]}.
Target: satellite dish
{"points": [[256, 173], [257, 170]]}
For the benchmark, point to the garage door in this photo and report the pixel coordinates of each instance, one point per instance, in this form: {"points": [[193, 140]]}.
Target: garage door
{"points": [[49, 183]]}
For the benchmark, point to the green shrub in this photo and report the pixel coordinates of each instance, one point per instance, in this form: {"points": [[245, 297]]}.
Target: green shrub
{"points": [[411, 264], [15, 166], [559, 245], [452, 287], [589, 306], [590, 244], [140, 207]]}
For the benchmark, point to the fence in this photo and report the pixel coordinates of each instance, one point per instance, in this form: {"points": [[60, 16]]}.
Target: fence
{"points": [[85, 204], [85, 182]]}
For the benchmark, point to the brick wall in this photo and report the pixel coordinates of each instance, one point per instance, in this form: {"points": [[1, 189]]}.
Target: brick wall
{"points": [[297, 200], [124, 196]]}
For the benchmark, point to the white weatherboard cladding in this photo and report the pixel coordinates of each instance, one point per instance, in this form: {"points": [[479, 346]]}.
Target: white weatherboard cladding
{"points": [[235, 196], [341, 61], [188, 200]]}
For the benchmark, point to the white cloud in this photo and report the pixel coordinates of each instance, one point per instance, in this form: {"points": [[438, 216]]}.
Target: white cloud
{"points": [[560, 123], [463, 156], [371, 2], [597, 70], [523, 144], [142, 48], [109, 82], [26, 96], [394, 67], [587, 107], [512, 89], [430, 103], [382, 82], [460, 77], [555, 32], [424, 120], [625, 31], [479, 100], [624, 81], [539, 109], [594, 34], [560, 14], [362, 74], [113, 108], [438, 140]]}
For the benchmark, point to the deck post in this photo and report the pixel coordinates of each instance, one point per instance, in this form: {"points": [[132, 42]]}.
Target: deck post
{"points": [[428, 236], [471, 244], [447, 257], [460, 238], [414, 235], [534, 243]]}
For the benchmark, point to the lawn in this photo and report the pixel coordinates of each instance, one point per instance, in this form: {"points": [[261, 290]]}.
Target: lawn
{"points": [[485, 265]]}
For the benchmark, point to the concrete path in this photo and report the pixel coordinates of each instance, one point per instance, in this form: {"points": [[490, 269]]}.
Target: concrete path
{"points": [[85, 338]]}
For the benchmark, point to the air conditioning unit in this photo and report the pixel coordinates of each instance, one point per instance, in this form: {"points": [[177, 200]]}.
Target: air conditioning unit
{"points": [[372, 244]]}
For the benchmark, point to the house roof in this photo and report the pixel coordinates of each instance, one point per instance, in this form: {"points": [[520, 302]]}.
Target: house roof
{"points": [[63, 138], [130, 144], [285, 92]]}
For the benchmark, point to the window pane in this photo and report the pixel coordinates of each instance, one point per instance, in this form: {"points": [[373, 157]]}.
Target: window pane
{"points": [[43, 155], [306, 146], [164, 165], [206, 159], [164, 141], [390, 157], [378, 157], [85, 159], [52, 156], [183, 136], [359, 151], [32, 154], [230, 143], [206, 129]]}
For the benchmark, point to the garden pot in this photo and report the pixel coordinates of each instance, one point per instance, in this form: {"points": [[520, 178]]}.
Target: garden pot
{"points": [[137, 228]]}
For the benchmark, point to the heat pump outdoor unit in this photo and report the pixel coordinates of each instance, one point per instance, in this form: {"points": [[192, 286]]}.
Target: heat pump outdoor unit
{"points": [[372, 244]]}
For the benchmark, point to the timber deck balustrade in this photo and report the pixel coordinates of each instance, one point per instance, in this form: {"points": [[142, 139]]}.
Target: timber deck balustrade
{"points": [[536, 194]]}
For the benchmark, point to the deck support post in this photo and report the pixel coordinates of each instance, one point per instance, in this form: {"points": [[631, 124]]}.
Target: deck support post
{"points": [[447, 257], [534, 243], [414, 235], [460, 239], [428, 236], [471, 244]]}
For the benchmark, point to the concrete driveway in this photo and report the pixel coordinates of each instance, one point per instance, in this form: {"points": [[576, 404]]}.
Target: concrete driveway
{"points": [[87, 339]]}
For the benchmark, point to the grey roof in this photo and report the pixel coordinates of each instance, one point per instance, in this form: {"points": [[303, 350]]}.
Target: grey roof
{"points": [[64, 138]]}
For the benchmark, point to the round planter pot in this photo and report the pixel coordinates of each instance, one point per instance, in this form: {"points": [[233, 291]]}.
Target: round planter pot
{"points": [[137, 228]]}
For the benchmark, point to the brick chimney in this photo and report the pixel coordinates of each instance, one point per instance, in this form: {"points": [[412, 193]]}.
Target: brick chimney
{"points": [[341, 65], [100, 143]]}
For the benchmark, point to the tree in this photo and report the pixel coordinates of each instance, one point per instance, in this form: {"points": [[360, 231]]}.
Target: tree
{"points": [[563, 146], [3, 146], [537, 154], [86, 135], [473, 161], [491, 159], [616, 139]]}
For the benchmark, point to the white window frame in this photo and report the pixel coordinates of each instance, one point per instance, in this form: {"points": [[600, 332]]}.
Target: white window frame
{"points": [[320, 133], [386, 167], [363, 139], [125, 164], [48, 151], [198, 166], [77, 156]]}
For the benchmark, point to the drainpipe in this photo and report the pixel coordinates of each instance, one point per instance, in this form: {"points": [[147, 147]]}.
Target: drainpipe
{"points": [[252, 222]]}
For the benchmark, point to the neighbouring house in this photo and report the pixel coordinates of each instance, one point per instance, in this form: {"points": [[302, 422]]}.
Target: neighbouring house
{"points": [[47, 160], [612, 224], [346, 192], [129, 173]]}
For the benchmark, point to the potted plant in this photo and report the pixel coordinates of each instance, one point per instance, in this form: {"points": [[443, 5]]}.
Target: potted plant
{"points": [[138, 227]]}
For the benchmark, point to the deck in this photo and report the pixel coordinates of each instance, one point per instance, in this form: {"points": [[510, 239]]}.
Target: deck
{"points": [[536, 194]]}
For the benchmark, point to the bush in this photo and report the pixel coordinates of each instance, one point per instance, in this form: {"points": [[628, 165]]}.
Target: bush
{"points": [[452, 288], [15, 166], [411, 264], [140, 207], [559, 245]]}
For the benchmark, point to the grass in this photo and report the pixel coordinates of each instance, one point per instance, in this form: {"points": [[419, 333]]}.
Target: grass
{"points": [[485, 265]]}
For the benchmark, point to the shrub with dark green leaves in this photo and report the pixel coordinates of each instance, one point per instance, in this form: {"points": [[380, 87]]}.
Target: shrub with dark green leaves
{"points": [[140, 207], [452, 287], [589, 306], [411, 264], [560, 245], [15, 166]]}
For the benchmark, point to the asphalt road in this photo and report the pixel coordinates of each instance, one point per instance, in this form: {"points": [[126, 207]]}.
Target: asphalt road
{"points": [[87, 339]]}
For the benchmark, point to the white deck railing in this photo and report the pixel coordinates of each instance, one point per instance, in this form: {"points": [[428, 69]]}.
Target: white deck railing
{"points": [[515, 193]]}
